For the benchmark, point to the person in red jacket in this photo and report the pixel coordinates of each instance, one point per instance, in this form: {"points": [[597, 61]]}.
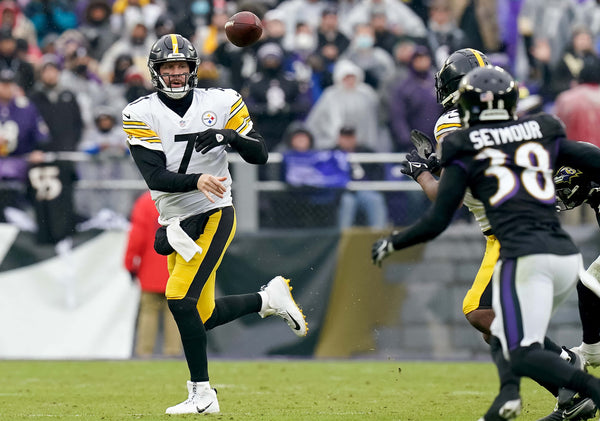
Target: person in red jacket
{"points": [[150, 268]]}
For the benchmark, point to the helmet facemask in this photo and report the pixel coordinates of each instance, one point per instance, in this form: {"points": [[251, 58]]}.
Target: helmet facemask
{"points": [[572, 188], [163, 82], [173, 48]]}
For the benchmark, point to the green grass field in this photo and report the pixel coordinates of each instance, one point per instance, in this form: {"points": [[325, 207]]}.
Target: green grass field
{"points": [[258, 390]]}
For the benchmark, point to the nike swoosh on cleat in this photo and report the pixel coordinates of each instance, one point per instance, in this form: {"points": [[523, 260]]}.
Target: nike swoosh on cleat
{"points": [[203, 409], [575, 410], [296, 325]]}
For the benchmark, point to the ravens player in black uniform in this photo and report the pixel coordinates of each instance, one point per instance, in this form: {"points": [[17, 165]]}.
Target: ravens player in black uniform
{"points": [[508, 165], [421, 164]]}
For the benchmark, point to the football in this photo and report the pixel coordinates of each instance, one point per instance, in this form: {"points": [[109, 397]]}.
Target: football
{"points": [[243, 29]]}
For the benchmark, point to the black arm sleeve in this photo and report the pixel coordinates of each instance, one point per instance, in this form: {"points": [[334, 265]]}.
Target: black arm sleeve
{"points": [[251, 147], [451, 191], [152, 166]]}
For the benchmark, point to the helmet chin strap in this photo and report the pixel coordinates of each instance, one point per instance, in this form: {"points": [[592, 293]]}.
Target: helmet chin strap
{"points": [[175, 93]]}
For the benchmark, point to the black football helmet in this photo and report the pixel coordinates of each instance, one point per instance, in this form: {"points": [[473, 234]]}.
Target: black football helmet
{"points": [[487, 94], [173, 47], [458, 64], [572, 188]]}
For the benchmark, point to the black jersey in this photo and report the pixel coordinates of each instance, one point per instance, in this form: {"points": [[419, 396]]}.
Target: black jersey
{"points": [[510, 167]]}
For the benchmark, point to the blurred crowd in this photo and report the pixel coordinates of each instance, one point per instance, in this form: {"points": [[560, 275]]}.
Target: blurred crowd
{"points": [[364, 67]]}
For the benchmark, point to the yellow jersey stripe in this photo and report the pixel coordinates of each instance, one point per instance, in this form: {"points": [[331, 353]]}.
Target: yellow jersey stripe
{"points": [[134, 123], [242, 127], [448, 125], [478, 57], [141, 133], [174, 44], [235, 106]]}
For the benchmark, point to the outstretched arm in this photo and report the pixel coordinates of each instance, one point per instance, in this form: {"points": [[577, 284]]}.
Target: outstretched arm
{"points": [[251, 147], [437, 218]]}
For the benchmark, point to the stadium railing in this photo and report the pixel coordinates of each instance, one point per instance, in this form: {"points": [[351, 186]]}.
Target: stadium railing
{"points": [[251, 190]]}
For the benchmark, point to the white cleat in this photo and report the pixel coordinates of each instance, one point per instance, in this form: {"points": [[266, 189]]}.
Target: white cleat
{"points": [[279, 301], [589, 353], [201, 400]]}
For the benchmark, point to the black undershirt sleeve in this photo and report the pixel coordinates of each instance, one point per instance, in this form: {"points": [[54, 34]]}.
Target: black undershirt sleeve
{"points": [[251, 147], [451, 190], [152, 166]]}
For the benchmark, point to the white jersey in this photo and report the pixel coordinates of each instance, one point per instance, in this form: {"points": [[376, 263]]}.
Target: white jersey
{"points": [[148, 122], [449, 122]]}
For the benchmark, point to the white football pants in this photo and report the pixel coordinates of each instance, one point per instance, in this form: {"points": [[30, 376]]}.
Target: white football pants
{"points": [[525, 293]]}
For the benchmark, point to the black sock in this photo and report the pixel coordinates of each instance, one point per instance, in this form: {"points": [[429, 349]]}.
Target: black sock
{"points": [[193, 337], [589, 307], [507, 378], [233, 306], [586, 385], [543, 366]]}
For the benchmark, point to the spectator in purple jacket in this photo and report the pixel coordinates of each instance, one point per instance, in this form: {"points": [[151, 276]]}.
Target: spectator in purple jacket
{"points": [[22, 132], [413, 103]]}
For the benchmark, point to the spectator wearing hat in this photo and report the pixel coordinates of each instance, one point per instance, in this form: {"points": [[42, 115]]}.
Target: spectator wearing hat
{"points": [[58, 106], [9, 59], [566, 72], [315, 180], [11, 17], [60, 110], [375, 62], [136, 42], [97, 29], [273, 97], [106, 143], [344, 103], [23, 133], [384, 36], [360, 207], [331, 43], [443, 33], [273, 27], [412, 103], [401, 18], [80, 75], [294, 12]]}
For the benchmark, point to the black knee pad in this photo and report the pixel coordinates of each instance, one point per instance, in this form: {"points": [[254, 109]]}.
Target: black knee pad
{"points": [[186, 316], [182, 307]]}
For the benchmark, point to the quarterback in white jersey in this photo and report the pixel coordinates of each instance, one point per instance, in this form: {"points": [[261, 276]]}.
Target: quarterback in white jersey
{"points": [[175, 136], [178, 138]]}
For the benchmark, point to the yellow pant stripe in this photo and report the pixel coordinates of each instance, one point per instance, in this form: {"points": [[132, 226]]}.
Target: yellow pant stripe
{"points": [[182, 273], [472, 299]]}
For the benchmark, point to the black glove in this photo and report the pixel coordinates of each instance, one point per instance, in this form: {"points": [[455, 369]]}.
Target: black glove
{"points": [[422, 142], [414, 165], [381, 249], [212, 138]]}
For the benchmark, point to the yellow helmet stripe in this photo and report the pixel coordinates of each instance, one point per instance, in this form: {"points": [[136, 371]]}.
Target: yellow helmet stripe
{"points": [[478, 57], [174, 44]]}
